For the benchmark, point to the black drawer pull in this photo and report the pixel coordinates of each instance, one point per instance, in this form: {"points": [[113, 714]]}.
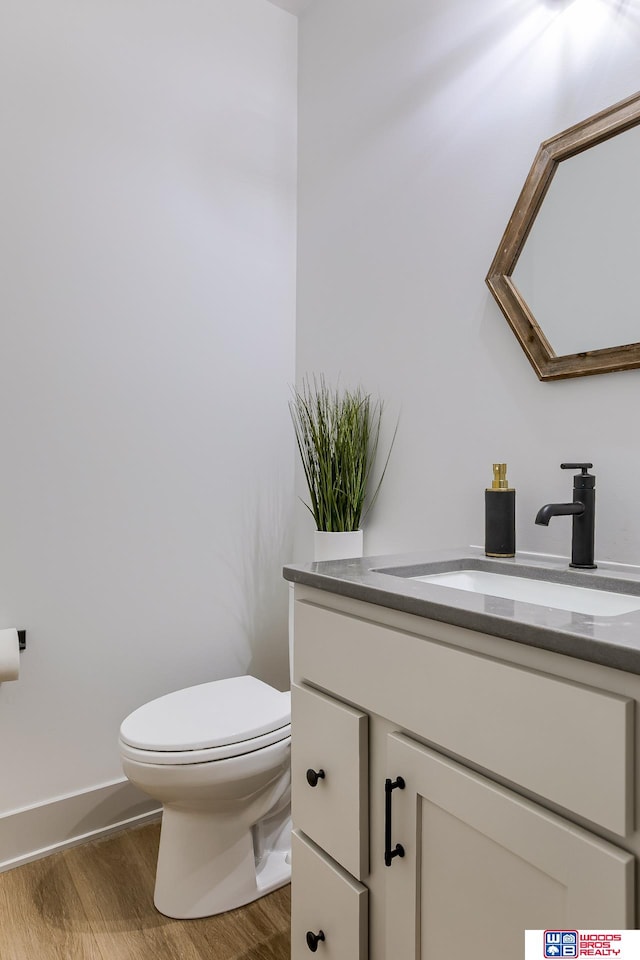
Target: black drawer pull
{"points": [[398, 850], [313, 776], [313, 939]]}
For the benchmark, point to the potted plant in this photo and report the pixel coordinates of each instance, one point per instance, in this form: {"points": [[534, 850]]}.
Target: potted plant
{"points": [[337, 432]]}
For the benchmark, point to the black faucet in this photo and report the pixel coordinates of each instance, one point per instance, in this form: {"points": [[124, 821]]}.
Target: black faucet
{"points": [[583, 511]]}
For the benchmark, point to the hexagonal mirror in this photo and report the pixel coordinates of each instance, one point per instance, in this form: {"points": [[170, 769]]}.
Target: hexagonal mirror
{"points": [[566, 271]]}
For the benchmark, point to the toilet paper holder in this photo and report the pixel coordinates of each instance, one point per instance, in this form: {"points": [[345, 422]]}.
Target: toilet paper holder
{"points": [[22, 639]]}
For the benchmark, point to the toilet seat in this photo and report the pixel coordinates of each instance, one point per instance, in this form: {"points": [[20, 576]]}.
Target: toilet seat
{"points": [[174, 757], [208, 722]]}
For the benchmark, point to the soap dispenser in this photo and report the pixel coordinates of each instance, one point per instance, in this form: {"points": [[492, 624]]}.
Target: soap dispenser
{"points": [[500, 515]]}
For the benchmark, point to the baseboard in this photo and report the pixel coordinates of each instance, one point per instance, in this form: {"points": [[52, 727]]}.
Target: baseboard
{"points": [[44, 828]]}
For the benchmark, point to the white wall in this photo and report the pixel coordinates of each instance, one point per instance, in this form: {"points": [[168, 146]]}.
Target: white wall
{"points": [[418, 123], [147, 299]]}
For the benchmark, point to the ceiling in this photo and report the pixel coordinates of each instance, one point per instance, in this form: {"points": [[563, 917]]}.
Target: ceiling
{"points": [[293, 6]]}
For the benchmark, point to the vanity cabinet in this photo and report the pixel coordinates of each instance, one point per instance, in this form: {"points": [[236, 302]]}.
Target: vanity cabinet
{"points": [[511, 788]]}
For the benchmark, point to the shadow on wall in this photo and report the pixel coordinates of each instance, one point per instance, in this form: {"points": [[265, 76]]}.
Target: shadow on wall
{"points": [[261, 597]]}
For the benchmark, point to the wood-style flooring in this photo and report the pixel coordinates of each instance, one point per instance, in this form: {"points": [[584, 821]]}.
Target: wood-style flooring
{"points": [[95, 902]]}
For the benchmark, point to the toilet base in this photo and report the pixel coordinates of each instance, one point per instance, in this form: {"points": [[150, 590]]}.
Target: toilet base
{"points": [[206, 868], [274, 873]]}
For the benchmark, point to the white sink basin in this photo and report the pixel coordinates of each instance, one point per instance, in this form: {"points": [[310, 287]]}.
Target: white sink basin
{"points": [[561, 596]]}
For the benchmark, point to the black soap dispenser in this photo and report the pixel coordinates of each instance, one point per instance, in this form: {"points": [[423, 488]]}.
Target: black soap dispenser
{"points": [[500, 515]]}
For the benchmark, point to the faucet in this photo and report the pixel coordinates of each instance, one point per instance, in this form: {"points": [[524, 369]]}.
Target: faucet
{"points": [[583, 511]]}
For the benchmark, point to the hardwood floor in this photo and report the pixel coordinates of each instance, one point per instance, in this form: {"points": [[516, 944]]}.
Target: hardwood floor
{"points": [[95, 902]]}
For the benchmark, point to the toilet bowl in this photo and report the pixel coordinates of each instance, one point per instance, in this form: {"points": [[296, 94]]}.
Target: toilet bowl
{"points": [[217, 756]]}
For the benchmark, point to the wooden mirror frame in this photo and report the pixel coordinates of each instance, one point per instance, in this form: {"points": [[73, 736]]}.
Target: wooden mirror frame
{"points": [[547, 365]]}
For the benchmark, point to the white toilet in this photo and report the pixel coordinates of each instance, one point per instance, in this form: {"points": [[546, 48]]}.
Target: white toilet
{"points": [[217, 756]]}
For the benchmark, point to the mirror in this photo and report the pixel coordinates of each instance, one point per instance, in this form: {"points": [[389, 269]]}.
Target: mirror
{"points": [[565, 274]]}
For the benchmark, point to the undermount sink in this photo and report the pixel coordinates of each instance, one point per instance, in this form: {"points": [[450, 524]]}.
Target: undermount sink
{"points": [[602, 597], [562, 596]]}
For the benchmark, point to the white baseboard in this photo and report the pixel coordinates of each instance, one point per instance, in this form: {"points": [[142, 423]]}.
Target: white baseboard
{"points": [[44, 828]]}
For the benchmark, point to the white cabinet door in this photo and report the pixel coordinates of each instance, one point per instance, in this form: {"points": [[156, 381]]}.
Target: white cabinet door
{"points": [[328, 907], [481, 865]]}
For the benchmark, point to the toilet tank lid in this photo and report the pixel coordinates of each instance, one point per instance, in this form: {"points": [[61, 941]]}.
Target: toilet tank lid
{"points": [[208, 715]]}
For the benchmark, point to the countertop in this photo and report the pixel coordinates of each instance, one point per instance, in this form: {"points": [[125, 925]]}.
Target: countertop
{"points": [[613, 641]]}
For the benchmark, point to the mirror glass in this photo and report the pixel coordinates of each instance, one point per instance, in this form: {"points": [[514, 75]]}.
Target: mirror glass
{"points": [[579, 269], [566, 271]]}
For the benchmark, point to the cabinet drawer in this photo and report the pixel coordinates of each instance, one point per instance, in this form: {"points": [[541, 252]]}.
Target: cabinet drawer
{"points": [[329, 739], [324, 898], [563, 741]]}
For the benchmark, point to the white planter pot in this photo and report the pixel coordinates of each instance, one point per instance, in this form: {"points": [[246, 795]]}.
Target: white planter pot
{"points": [[337, 546]]}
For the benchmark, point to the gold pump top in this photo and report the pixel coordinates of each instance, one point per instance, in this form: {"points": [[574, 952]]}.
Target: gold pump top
{"points": [[499, 477]]}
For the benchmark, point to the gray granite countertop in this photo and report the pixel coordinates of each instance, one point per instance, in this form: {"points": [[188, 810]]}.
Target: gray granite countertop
{"points": [[386, 580]]}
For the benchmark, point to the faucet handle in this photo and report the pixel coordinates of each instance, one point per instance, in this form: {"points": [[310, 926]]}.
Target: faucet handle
{"points": [[581, 481], [577, 466]]}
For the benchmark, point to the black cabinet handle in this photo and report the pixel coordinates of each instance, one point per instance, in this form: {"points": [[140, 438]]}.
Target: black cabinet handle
{"points": [[398, 850], [313, 939], [313, 776]]}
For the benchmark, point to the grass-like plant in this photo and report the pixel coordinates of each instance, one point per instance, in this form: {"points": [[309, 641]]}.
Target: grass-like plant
{"points": [[337, 432]]}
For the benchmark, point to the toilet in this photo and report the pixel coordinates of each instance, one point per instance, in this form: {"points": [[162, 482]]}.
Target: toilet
{"points": [[217, 756]]}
